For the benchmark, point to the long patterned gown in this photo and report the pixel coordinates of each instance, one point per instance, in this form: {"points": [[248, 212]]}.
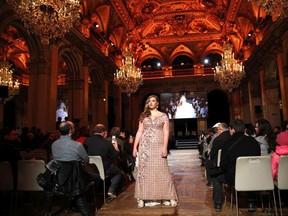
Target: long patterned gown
{"points": [[153, 180]]}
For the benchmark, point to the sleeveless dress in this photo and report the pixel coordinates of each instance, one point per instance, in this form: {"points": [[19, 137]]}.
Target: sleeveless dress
{"points": [[153, 180]]}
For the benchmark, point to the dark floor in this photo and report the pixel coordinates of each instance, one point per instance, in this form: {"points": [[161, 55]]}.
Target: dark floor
{"points": [[195, 198]]}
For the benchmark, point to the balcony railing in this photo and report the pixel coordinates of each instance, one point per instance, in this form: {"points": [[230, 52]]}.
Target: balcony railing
{"points": [[190, 72]]}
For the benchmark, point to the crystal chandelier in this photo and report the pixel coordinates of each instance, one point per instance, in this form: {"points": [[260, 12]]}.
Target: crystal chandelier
{"points": [[49, 19], [128, 77], [230, 73], [6, 79], [273, 6]]}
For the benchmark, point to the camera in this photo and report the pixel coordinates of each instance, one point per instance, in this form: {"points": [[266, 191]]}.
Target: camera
{"points": [[113, 139]]}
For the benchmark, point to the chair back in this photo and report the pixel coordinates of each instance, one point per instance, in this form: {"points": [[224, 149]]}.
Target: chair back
{"points": [[253, 173], [28, 170], [6, 183], [219, 157], [283, 173], [37, 154], [97, 160]]}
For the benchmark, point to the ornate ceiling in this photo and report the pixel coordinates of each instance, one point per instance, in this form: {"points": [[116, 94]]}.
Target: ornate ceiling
{"points": [[163, 29], [167, 28]]}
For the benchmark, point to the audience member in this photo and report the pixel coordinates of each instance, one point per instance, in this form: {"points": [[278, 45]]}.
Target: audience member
{"points": [[8, 150], [49, 138], [223, 136], [215, 134], [265, 136], [282, 149], [250, 130], [277, 130], [115, 131], [97, 145], [67, 150], [238, 145]]}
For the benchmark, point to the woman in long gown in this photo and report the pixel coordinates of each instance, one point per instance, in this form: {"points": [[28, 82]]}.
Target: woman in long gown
{"points": [[153, 181]]}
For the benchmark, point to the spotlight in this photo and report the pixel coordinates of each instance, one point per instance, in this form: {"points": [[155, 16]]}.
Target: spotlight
{"points": [[96, 25]]}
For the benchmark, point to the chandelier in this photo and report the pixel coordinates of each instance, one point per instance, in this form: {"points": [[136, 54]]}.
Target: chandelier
{"points": [[273, 6], [49, 19], [230, 73], [128, 77], [6, 79]]}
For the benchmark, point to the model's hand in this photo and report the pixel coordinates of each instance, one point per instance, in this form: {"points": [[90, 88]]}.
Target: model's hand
{"points": [[164, 153], [135, 152]]}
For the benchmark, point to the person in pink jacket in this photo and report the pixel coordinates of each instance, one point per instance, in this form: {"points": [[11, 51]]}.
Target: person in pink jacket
{"points": [[282, 149]]}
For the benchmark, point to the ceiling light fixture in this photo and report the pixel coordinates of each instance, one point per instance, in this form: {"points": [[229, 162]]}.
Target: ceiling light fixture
{"points": [[273, 6], [49, 19], [229, 73], [6, 79], [128, 77]]}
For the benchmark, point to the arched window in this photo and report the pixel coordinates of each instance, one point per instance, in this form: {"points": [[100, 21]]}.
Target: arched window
{"points": [[151, 64], [182, 62], [211, 60]]}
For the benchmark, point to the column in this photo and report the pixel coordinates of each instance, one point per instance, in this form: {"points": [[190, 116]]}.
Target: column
{"points": [[42, 92], [251, 103], [283, 79], [236, 102], [80, 97]]}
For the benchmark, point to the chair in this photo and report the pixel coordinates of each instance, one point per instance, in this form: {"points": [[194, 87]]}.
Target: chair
{"points": [[37, 154], [282, 180], [7, 183], [28, 170], [219, 157], [254, 173], [97, 160]]}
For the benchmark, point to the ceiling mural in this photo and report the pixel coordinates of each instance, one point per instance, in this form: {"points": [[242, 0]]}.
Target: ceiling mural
{"points": [[163, 29]]}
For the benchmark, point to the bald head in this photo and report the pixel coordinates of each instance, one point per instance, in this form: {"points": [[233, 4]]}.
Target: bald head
{"points": [[99, 128], [66, 127]]}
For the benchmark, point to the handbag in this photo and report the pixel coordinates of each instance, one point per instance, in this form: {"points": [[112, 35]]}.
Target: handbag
{"points": [[48, 179]]}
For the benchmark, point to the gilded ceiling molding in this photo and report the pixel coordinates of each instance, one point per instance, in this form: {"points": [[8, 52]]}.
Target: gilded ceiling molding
{"points": [[266, 46], [232, 11]]}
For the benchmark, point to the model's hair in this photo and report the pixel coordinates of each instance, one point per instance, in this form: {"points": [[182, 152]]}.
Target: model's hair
{"points": [[147, 111], [65, 127], [238, 125]]}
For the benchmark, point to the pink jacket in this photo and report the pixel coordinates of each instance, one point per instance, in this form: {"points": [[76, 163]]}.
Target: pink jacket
{"points": [[280, 150]]}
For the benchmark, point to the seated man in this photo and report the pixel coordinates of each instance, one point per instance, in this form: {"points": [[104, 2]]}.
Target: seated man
{"points": [[97, 145], [69, 154], [238, 145]]}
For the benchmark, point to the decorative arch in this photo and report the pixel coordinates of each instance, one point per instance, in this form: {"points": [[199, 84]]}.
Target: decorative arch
{"points": [[212, 48], [35, 47], [72, 60], [181, 50], [150, 53], [96, 79]]}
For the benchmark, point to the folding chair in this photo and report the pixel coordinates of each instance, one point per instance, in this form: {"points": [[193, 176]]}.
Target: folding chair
{"points": [[282, 180], [7, 182], [219, 157], [28, 170], [97, 160], [254, 173]]}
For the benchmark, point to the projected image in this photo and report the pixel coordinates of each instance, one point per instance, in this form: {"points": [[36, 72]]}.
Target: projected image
{"points": [[184, 105], [62, 111]]}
